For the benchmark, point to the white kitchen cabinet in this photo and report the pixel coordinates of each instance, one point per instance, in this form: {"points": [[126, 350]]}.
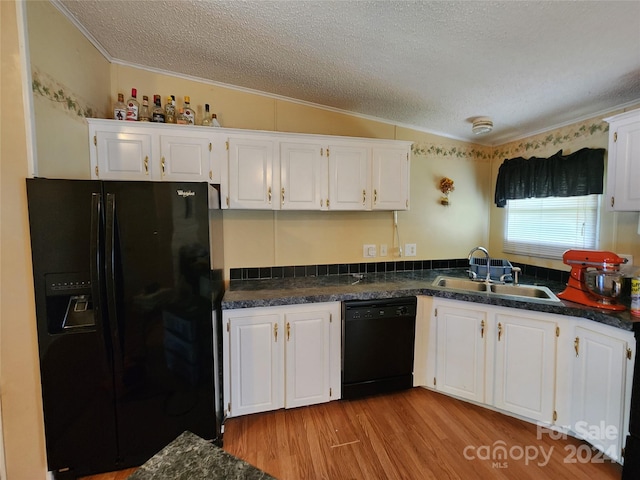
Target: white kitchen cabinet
{"points": [[623, 162], [461, 346], [252, 184], [573, 373], [524, 375], [256, 363], [303, 176], [349, 177], [308, 362], [275, 357], [185, 157], [600, 392], [121, 154], [390, 178], [147, 151]]}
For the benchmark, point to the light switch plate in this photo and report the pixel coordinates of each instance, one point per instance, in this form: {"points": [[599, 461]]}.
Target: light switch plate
{"points": [[410, 250], [383, 250]]}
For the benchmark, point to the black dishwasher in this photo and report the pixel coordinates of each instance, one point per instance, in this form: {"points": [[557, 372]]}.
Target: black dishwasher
{"points": [[378, 338]]}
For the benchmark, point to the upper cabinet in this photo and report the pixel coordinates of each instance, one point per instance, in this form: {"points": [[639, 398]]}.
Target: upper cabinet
{"points": [[257, 170], [623, 169], [145, 151]]}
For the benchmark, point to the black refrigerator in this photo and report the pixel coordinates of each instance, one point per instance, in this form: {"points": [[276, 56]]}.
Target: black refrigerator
{"points": [[128, 281]]}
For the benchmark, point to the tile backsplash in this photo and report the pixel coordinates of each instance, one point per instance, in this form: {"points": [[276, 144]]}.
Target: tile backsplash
{"points": [[263, 273]]}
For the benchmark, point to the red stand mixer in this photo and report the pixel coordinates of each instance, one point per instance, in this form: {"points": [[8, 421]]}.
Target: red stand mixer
{"points": [[595, 278]]}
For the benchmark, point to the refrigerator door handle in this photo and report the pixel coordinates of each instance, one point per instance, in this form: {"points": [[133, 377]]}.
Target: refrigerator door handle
{"points": [[110, 275], [95, 262]]}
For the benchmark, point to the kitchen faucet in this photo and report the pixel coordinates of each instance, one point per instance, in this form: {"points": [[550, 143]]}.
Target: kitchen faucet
{"points": [[486, 253]]}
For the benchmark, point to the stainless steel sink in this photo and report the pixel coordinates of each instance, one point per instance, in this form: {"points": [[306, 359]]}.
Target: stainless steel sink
{"points": [[460, 284], [524, 292]]}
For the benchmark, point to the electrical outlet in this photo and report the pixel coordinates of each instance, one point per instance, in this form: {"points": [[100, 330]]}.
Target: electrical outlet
{"points": [[383, 250], [368, 251], [410, 250]]}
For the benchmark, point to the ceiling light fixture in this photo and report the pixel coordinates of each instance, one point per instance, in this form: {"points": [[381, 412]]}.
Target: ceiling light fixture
{"points": [[482, 125]]}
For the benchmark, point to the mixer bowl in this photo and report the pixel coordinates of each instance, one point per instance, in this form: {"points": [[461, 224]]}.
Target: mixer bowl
{"points": [[606, 286]]}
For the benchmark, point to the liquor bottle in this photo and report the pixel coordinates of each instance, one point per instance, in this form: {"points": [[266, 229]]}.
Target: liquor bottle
{"points": [[133, 106], [145, 114], [188, 111], [206, 118], [182, 119], [158, 113], [214, 121], [120, 109], [170, 110]]}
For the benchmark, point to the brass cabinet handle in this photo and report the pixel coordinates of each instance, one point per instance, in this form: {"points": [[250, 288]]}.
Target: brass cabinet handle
{"points": [[282, 192], [613, 201], [482, 329], [162, 164], [629, 353], [275, 331], [288, 331], [576, 345], [375, 196], [269, 194], [364, 197], [146, 165], [499, 331]]}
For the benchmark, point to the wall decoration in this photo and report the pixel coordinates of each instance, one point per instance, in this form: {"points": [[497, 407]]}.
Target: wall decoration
{"points": [[559, 137], [48, 88], [446, 187]]}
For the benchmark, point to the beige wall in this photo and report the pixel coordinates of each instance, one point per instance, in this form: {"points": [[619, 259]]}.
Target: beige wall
{"points": [[19, 372], [70, 83]]}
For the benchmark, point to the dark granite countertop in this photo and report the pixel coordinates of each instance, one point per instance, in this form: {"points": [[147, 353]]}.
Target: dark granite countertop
{"points": [[336, 288], [189, 457]]}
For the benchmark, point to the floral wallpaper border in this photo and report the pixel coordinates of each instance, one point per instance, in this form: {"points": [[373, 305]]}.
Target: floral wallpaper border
{"points": [[48, 88], [529, 145]]}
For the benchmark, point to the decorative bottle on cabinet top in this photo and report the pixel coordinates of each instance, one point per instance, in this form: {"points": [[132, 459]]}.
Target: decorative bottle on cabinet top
{"points": [[145, 114], [120, 109], [170, 110], [133, 106], [158, 113], [206, 117], [188, 111]]}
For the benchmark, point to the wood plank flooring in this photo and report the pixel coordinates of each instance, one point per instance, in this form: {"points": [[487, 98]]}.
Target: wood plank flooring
{"points": [[411, 435]]}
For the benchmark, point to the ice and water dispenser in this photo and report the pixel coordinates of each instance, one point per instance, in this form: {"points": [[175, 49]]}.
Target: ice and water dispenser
{"points": [[69, 303]]}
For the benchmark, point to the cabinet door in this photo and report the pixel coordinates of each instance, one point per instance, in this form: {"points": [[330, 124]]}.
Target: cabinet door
{"points": [[185, 158], [525, 366], [349, 177], [251, 181], [598, 392], [307, 357], [256, 363], [390, 179], [623, 170], [120, 155], [301, 174], [460, 363]]}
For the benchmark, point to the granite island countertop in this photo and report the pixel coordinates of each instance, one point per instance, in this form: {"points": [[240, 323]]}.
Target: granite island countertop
{"points": [[336, 288], [190, 457]]}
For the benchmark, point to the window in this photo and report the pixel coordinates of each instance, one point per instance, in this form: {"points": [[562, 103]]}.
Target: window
{"points": [[546, 227]]}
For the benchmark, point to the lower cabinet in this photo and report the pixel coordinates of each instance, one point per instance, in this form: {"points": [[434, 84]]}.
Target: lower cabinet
{"points": [[600, 390], [461, 351], [569, 373], [281, 357], [524, 350]]}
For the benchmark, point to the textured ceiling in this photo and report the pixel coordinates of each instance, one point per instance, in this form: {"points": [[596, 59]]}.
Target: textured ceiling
{"points": [[435, 65]]}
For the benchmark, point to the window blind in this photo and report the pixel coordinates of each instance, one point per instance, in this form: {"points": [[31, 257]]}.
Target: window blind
{"points": [[546, 227]]}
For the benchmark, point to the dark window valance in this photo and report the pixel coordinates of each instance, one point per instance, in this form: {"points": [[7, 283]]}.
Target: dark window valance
{"points": [[580, 173]]}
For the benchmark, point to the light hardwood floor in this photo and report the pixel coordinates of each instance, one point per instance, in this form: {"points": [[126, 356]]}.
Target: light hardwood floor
{"points": [[416, 434]]}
